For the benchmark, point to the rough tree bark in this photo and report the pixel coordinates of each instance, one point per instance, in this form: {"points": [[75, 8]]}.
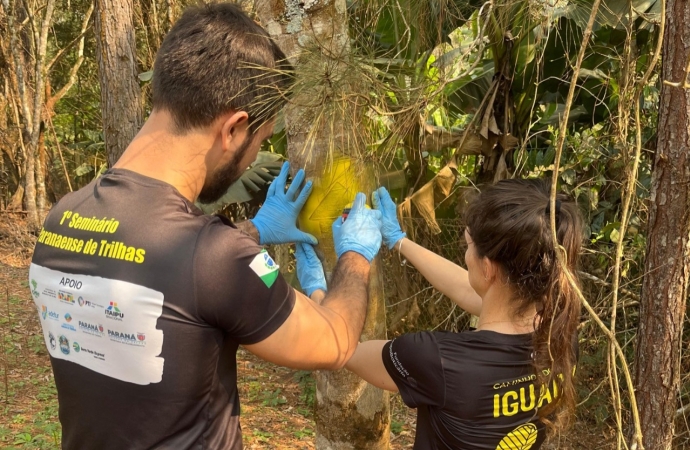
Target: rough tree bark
{"points": [[667, 265], [350, 414], [121, 99], [28, 64], [29, 77]]}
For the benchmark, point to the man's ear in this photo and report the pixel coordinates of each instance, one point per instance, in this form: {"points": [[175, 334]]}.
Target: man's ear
{"points": [[234, 130]]}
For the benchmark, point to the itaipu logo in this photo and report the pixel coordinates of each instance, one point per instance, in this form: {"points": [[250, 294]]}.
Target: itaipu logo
{"points": [[138, 339], [113, 312], [64, 344], [91, 328]]}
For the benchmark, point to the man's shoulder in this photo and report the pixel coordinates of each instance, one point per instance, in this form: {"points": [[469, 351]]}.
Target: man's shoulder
{"points": [[223, 246], [219, 231]]}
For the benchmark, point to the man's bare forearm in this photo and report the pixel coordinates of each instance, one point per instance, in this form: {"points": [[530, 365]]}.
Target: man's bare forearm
{"points": [[248, 228], [348, 294]]}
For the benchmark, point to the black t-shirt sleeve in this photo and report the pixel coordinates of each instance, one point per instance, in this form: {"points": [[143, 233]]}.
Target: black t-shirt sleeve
{"points": [[238, 287], [414, 362]]}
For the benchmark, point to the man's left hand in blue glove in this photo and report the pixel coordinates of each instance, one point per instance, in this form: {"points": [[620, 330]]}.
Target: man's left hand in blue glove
{"points": [[309, 269], [276, 221]]}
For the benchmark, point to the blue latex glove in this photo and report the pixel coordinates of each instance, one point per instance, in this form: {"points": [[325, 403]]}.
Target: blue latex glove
{"points": [[309, 269], [360, 233], [390, 230], [276, 220]]}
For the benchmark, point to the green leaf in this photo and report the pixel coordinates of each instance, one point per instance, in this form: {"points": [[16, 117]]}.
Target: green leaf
{"points": [[146, 76], [615, 235], [569, 176], [83, 169]]}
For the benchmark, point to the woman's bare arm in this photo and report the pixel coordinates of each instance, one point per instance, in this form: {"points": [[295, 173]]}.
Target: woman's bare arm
{"points": [[446, 276]]}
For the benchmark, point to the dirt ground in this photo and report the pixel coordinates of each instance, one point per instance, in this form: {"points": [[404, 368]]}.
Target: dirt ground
{"points": [[276, 402]]}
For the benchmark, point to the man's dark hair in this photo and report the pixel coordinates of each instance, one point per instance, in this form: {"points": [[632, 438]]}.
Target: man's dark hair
{"points": [[216, 59]]}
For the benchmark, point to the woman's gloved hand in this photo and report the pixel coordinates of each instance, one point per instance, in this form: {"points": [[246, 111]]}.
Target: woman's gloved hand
{"points": [[390, 230]]}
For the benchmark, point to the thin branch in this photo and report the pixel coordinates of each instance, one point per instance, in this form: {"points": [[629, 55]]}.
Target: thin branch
{"points": [[63, 50], [561, 253], [77, 64], [62, 159], [18, 65], [682, 411], [657, 52], [598, 280], [39, 94], [622, 134]]}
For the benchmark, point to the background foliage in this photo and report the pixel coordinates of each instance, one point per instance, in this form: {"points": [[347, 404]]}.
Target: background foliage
{"points": [[464, 89]]}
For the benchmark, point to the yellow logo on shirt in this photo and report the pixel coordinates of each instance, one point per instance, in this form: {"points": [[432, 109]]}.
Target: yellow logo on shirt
{"points": [[521, 438]]}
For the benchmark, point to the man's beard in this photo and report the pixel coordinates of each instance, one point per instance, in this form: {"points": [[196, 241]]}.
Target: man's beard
{"points": [[220, 181]]}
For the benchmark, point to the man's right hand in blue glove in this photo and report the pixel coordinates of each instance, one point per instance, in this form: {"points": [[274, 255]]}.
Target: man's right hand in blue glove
{"points": [[390, 230], [360, 233]]}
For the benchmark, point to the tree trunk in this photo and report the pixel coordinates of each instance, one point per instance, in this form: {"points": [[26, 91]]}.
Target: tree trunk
{"points": [[121, 100], [350, 413], [41, 172], [170, 7], [30, 188], [667, 265]]}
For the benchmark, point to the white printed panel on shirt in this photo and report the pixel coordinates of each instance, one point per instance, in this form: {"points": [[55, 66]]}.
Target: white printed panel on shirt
{"points": [[108, 326]]}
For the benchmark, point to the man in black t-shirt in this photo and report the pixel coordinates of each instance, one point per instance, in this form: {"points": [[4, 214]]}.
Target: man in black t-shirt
{"points": [[144, 301]]}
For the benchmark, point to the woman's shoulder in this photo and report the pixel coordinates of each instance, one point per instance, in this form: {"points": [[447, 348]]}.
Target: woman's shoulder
{"points": [[485, 353], [479, 336]]}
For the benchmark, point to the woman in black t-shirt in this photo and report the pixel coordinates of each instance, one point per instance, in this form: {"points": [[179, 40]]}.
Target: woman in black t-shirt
{"points": [[499, 386]]}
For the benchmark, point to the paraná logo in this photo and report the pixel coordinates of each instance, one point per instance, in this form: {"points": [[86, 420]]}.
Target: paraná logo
{"points": [[68, 317], [138, 339], [91, 328], [44, 311]]}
